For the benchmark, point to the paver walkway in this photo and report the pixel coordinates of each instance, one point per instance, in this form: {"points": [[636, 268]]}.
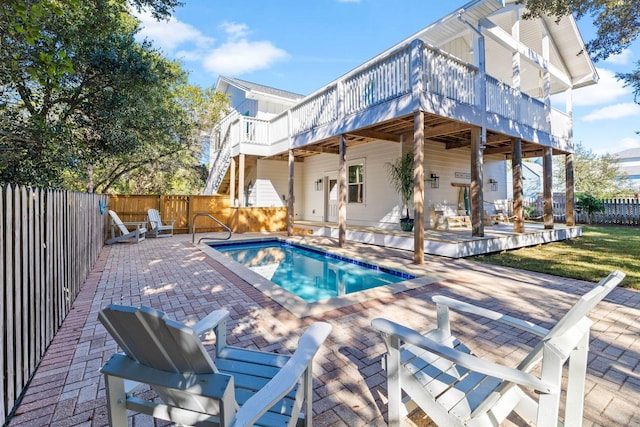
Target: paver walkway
{"points": [[172, 275]]}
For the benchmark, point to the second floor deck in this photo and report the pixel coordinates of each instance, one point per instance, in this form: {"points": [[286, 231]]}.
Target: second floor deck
{"points": [[377, 100]]}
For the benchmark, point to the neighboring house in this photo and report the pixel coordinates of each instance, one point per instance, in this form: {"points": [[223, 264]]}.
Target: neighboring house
{"points": [[466, 93], [628, 161], [531, 180]]}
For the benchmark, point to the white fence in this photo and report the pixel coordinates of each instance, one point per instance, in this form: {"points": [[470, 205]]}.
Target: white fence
{"points": [[49, 242]]}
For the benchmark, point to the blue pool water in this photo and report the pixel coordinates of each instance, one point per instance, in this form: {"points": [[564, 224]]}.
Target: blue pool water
{"points": [[311, 274]]}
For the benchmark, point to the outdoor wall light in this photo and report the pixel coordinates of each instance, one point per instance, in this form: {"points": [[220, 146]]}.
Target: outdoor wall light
{"points": [[434, 180], [319, 184], [493, 184]]}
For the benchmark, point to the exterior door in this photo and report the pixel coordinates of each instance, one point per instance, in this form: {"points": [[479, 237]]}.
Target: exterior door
{"points": [[331, 199]]}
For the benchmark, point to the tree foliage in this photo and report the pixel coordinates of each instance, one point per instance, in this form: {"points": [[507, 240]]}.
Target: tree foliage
{"points": [[83, 104], [617, 24], [596, 175]]}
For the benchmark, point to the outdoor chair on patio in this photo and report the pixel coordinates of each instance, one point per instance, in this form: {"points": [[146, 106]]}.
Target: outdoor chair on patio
{"points": [[242, 388], [455, 388], [158, 229], [120, 232], [496, 212]]}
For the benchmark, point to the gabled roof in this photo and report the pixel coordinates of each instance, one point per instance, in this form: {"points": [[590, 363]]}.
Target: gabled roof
{"points": [[631, 153], [258, 88], [567, 53]]}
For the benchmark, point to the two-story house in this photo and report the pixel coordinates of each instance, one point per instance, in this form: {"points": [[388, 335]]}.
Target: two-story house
{"points": [[466, 95]]}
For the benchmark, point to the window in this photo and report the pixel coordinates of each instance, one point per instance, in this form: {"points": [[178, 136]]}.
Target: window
{"points": [[355, 184]]}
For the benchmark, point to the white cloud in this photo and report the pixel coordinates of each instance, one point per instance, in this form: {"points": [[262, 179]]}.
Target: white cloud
{"points": [[168, 35], [623, 58], [243, 56], [606, 91], [237, 55], [617, 146], [613, 112], [235, 30]]}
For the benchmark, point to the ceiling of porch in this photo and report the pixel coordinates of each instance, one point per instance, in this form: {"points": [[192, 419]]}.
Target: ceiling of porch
{"points": [[452, 133]]}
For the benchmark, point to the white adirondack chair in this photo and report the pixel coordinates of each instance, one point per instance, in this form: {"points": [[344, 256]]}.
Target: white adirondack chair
{"points": [[455, 388], [242, 388], [120, 232], [158, 229]]}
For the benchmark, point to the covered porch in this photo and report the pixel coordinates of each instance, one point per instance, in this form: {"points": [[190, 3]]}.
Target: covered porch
{"points": [[453, 243]]}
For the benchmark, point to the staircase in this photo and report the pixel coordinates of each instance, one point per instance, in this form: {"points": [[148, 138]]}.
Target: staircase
{"points": [[221, 164]]}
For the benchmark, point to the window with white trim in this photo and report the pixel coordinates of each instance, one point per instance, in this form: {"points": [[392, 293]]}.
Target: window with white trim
{"points": [[355, 183]]}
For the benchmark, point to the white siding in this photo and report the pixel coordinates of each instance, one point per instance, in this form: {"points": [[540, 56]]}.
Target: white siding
{"points": [[381, 205], [240, 103], [272, 184]]}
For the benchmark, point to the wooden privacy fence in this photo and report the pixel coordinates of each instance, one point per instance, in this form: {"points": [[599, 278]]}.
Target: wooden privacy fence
{"points": [[49, 242], [184, 208], [616, 211]]}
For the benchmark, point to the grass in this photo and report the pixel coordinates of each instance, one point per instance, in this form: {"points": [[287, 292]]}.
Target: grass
{"points": [[591, 257]]}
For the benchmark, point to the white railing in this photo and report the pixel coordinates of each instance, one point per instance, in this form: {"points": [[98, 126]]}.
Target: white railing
{"points": [[560, 123], [316, 111], [449, 77], [533, 113], [279, 128], [250, 130], [502, 99], [382, 81]]}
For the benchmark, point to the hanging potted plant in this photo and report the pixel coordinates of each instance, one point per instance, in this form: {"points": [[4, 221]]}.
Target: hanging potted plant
{"points": [[401, 175]]}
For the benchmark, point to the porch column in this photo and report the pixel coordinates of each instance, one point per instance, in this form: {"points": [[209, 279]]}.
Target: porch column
{"points": [[418, 187], [232, 183], [515, 56], [241, 182], [570, 190], [546, 78], [342, 190], [477, 196], [547, 187], [516, 171], [290, 197]]}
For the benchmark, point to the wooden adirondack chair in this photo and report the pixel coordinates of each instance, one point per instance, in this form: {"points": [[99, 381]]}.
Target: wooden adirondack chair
{"points": [[120, 232], [455, 388], [242, 388], [158, 229]]}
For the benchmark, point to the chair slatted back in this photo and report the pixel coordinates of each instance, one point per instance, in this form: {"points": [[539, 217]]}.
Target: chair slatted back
{"points": [[580, 309], [118, 222], [150, 338], [154, 218]]}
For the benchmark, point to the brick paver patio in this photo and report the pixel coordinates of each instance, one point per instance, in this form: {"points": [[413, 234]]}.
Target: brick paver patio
{"points": [[349, 385]]}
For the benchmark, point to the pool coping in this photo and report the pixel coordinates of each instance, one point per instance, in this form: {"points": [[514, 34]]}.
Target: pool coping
{"points": [[296, 305]]}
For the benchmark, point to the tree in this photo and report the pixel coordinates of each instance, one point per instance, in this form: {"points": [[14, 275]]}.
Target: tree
{"points": [[589, 204], [617, 25], [76, 89], [596, 175]]}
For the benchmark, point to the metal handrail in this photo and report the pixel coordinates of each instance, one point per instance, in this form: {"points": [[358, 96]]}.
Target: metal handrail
{"points": [[193, 232]]}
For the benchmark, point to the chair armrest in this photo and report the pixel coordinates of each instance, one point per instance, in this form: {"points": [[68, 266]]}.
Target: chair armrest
{"points": [[138, 224], [465, 307], [287, 378], [465, 360], [210, 321]]}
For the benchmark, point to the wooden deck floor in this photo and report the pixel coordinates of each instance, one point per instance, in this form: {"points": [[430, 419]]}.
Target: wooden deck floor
{"points": [[455, 243]]}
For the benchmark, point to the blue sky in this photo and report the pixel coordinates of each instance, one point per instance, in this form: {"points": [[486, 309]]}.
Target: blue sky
{"points": [[302, 45]]}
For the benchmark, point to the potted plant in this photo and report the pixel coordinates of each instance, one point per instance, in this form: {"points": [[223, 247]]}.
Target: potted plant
{"points": [[401, 175]]}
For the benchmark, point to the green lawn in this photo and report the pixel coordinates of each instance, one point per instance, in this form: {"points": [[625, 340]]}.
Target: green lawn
{"points": [[590, 257]]}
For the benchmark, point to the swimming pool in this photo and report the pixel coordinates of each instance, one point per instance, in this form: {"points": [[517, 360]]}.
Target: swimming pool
{"points": [[309, 273]]}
